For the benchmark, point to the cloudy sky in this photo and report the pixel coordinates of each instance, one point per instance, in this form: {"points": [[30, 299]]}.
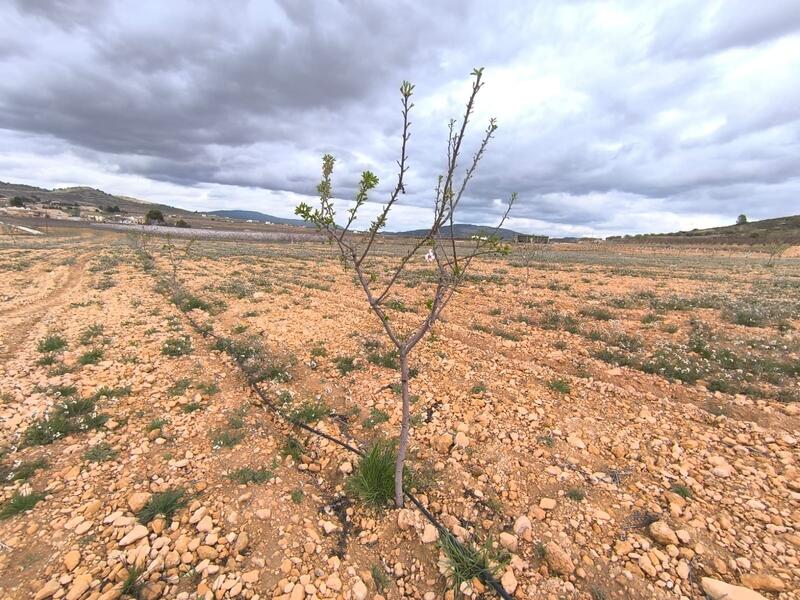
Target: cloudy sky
{"points": [[615, 117]]}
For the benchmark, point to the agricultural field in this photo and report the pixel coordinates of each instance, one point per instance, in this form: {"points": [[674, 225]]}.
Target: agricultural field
{"points": [[589, 422]]}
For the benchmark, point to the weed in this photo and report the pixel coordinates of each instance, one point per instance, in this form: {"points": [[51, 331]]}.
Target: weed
{"points": [[554, 320], [164, 503], [575, 494], [90, 333], [132, 585], [297, 495], [559, 385], [23, 471], [108, 393], [466, 562], [157, 423], [247, 475], [387, 360], [225, 438], [68, 417], [19, 503], [210, 389], [397, 305], [682, 490], [52, 343], [100, 453], [319, 351], [292, 448], [597, 593], [376, 417], [380, 578], [65, 391], [345, 364], [478, 388], [179, 387], [177, 346], [601, 314], [192, 407], [310, 412], [373, 480], [91, 357]]}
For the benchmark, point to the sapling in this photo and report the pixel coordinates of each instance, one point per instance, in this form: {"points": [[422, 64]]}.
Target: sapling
{"points": [[450, 257]]}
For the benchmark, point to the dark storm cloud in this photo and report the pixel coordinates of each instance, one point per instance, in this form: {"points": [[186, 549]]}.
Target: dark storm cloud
{"points": [[663, 111]]}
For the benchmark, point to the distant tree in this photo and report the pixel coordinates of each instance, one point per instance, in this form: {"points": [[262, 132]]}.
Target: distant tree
{"points": [[153, 216], [741, 219], [183, 224], [17, 201], [112, 209]]}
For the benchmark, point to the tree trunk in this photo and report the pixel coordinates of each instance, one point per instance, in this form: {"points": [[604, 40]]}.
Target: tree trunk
{"points": [[404, 427]]}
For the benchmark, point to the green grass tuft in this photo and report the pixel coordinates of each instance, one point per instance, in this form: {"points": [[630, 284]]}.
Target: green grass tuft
{"points": [[247, 475], [165, 503], [100, 453], [52, 343], [91, 357], [559, 385], [20, 503]]}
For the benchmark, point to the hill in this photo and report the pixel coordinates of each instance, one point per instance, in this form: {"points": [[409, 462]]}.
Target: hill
{"points": [[781, 230], [462, 231], [85, 197], [253, 215]]}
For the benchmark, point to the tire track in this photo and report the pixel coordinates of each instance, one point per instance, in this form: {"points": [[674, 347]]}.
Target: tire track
{"points": [[17, 323]]}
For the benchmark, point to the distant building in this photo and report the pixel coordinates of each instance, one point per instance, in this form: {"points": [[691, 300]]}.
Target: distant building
{"points": [[522, 238]]}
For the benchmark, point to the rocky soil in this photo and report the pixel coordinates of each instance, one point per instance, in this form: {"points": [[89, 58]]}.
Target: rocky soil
{"points": [[592, 479]]}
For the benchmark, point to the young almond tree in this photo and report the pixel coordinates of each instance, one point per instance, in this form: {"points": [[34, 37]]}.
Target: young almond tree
{"points": [[450, 257]]}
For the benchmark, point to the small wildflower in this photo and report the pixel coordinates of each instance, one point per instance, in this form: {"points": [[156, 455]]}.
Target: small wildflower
{"points": [[430, 256]]}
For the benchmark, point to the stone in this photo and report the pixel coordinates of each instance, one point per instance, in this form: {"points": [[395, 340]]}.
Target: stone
{"points": [[138, 500], [250, 576], [462, 441], [557, 559], [509, 581], [71, 559], [80, 586], [205, 524], [547, 503], [576, 442], [443, 443], [682, 570], [522, 524], [719, 590], [333, 582], [47, 590], [242, 543], [207, 552], [134, 535], [623, 547], [83, 527], [764, 582], [405, 519], [359, 590], [329, 527], [346, 467], [646, 565], [508, 541], [430, 534], [662, 533]]}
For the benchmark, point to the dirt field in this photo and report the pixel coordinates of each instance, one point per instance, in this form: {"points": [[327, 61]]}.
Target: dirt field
{"points": [[611, 422]]}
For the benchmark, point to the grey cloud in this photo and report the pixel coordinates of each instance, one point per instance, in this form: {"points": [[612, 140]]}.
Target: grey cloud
{"points": [[252, 94]]}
